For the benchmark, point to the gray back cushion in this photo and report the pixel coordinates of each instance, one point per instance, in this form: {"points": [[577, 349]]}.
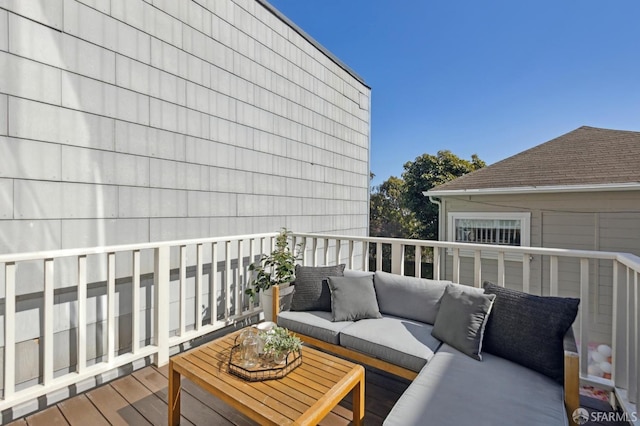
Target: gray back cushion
{"points": [[311, 288], [529, 329], [462, 318], [409, 297], [356, 274], [353, 298]]}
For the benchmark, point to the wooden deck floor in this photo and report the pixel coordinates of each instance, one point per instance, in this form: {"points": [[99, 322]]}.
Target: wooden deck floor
{"points": [[141, 399]]}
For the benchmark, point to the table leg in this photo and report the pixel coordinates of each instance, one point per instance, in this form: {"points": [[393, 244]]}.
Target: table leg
{"points": [[174, 396], [358, 400]]}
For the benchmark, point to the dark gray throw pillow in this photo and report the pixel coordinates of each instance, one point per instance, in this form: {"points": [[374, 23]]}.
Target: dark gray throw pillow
{"points": [[529, 329], [462, 318], [353, 298], [312, 291]]}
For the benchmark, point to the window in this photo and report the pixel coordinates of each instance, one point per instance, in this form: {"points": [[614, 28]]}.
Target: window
{"points": [[506, 229]]}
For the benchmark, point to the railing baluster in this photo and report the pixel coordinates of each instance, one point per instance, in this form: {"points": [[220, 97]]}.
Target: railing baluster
{"points": [[227, 275], [456, 265], [198, 311], [418, 262], [326, 252], [161, 278], [303, 247], [553, 275], [477, 268], [378, 256], [338, 251], [619, 329], [182, 302], [238, 286], [252, 254], [526, 273], [111, 307], [365, 255], [436, 263], [584, 316], [48, 321], [9, 329], [81, 331], [501, 270], [351, 254], [135, 302], [397, 259], [314, 252], [628, 331], [633, 338], [213, 291]]}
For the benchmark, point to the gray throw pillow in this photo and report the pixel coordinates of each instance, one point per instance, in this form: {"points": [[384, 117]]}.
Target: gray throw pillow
{"points": [[462, 319], [409, 297], [353, 298], [312, 291], [530, 329]]}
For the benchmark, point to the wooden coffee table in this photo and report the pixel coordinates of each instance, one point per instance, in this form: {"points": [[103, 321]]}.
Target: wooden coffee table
{"points": [[303, 397]]}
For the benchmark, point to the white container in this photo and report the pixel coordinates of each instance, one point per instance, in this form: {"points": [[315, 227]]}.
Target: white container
{"points": [[266, 300]]}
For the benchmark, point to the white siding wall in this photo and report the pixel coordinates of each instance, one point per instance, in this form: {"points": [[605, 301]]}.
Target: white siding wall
{"points": [[177, 118], [127, 121]]}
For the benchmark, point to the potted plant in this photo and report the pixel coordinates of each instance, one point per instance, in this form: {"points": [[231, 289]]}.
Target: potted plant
{"points": [[277, 268], [279, 343]]}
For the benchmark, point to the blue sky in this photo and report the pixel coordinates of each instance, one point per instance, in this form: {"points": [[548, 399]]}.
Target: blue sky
{"points": [[491, 78]]}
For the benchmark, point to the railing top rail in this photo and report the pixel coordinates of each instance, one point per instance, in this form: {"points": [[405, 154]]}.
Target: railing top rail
{"points": [[625, 258], [629, 260], [52, 254]]}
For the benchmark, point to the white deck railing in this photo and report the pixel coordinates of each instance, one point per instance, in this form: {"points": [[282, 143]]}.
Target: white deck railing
{"points": [[169, 265], [553, 270], [212, 273]]}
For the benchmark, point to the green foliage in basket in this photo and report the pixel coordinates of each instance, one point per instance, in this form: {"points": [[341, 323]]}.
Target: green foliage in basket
{"points": [[278, 341]]}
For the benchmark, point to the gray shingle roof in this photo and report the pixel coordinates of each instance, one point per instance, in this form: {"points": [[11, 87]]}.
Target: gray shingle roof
{"points": [[585, 156]]}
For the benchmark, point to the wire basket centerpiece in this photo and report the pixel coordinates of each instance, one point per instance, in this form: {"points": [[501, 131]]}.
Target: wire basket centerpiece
{"points": [[265, 355]]}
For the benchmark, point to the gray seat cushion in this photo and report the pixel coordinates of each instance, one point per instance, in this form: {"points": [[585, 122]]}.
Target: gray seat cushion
{"points": [[408, 297], [316, 324], [399, 341], [454, 389]]}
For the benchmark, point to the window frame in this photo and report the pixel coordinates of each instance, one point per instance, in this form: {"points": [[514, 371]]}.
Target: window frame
{"points": [[525, 230]]}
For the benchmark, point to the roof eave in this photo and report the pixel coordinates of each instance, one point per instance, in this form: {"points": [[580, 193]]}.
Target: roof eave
{"points": [[631, 186]]}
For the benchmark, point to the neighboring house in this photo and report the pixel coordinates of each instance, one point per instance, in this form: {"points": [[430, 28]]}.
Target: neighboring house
{"points": [[578, 191]]}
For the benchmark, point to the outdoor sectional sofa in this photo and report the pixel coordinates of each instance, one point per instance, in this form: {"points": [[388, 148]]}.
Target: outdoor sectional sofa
{"points": [[475, 385]]}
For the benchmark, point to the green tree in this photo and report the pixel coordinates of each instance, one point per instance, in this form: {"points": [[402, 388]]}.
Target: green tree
{"points": [[389, 216], [425, 172]]}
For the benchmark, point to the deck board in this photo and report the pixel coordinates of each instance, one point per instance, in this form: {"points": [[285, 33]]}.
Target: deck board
{"points": [[141, 399], [51, 416], [115, 408], [151, 406], [79, 411]]}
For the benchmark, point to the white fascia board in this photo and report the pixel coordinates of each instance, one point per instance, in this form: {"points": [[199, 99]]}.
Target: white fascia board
{"points": [[632, 186]]}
